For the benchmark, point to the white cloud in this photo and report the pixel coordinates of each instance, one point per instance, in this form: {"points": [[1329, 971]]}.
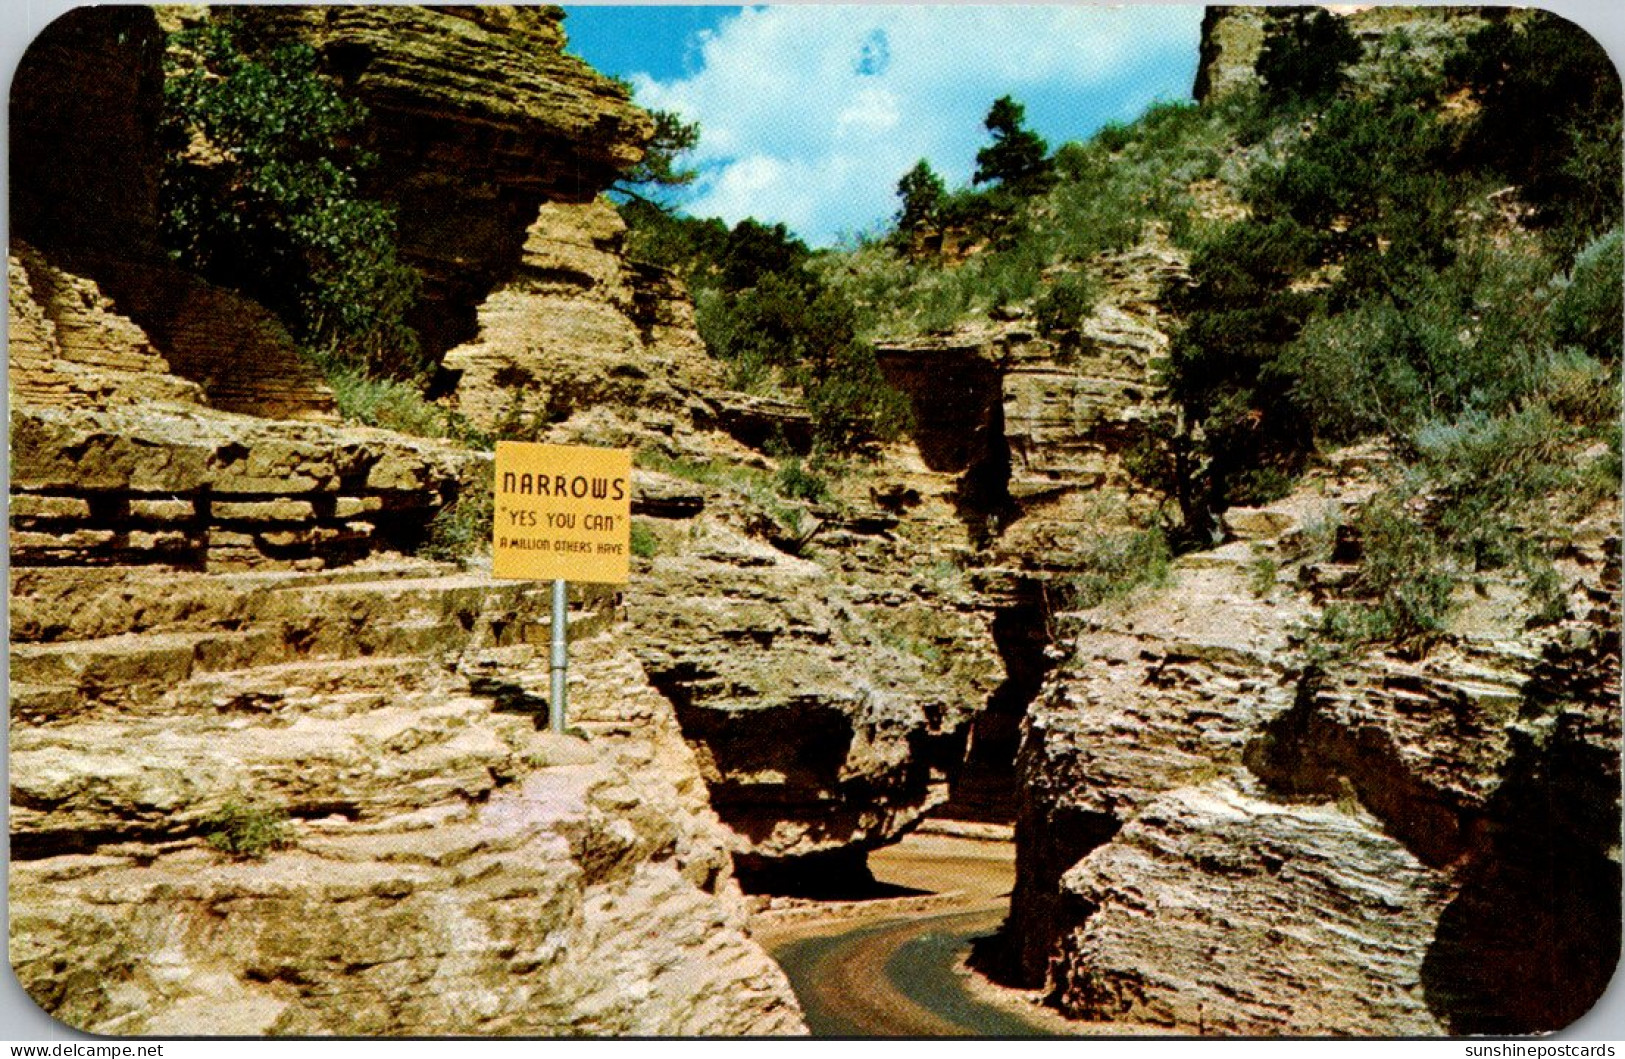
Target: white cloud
{"points": [[810, 113], [872, 111]]}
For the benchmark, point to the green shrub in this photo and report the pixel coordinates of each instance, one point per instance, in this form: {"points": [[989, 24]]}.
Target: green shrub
{"points": [[1500, 460], [754, 251], [1261, 575], [246, 829], [271, 204], [978, 212], [1587, 311], [1239, 311], [644, 543], [794, 330], [463, 527], [1406, 581], [1112, 136], [797, 482], [689, 246], [1115, 566], [1101, 196], [1467, 336], [1344, 624], [1064, 303], [1304, 56], [393, 404], [1548, 118], [852, 405]]}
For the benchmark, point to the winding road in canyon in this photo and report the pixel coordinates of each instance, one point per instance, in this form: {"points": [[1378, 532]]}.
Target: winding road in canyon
{"points": [[894, 966]]}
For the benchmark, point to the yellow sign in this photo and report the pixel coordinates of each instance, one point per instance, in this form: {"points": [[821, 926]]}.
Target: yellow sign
{"points": [[562, 512]]}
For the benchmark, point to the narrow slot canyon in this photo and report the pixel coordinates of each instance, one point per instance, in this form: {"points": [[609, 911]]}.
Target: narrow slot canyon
{"points": [[904, 940]]}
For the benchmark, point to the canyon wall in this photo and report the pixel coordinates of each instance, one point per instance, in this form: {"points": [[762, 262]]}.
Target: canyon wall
{"points": [[270, 774], [1218, 834], [781, 662], [216, 616], [1223, 828], [85, 167], [220, 635]]}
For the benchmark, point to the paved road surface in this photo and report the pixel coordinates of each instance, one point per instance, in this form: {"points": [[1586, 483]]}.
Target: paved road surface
{"points": [[881, 969]]}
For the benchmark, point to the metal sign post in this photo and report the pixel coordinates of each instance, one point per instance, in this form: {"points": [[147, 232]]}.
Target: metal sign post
{"points": [[561, 657], [562, 513]]}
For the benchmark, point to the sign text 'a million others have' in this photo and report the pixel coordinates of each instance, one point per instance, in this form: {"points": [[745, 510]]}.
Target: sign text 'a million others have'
{"points": [[563, 512]]}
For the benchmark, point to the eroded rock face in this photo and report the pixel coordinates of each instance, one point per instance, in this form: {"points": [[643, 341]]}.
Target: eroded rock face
{"points": [[70, 347], [210, 610], [1034, 427], [84, 195], [1215, 836], [1230, 914], [577, 327], [202, 489], [478, 118], [448, 867], [825, 710]]}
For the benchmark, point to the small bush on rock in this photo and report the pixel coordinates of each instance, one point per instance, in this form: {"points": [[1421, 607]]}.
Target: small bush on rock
{"points": [[246, 829], [644, 542], [463, 527], [1117, 565]]}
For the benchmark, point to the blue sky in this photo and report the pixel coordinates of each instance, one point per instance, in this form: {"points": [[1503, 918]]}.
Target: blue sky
{"points": [[810, 113]]}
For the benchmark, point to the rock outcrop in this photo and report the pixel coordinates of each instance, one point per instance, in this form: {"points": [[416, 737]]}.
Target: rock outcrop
{"points": [[270, 776], [446, 867], [84, 194], [70, 347], [1034, 427], [1019, 441], [1233, 37], [493, 146], [478, 119], [1218, 836], [827, 710], [193, 488], [1219, 828], [578, 327]]}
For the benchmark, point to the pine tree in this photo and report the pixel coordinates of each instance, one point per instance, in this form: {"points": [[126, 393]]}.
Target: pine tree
{"points": [[658, 173], [1018, 158], [922, 192]]}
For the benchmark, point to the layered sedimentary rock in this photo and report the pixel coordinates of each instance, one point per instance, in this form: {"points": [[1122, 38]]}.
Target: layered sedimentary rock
{"points": [[1218, 912], [208, 490], [478, 118], [576, 326], [1216, 836], [446, 867], [69, 346], [1035, 425], [825, 712], [85, 167], [1019, 438], [268, 775], [493, 146]]}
